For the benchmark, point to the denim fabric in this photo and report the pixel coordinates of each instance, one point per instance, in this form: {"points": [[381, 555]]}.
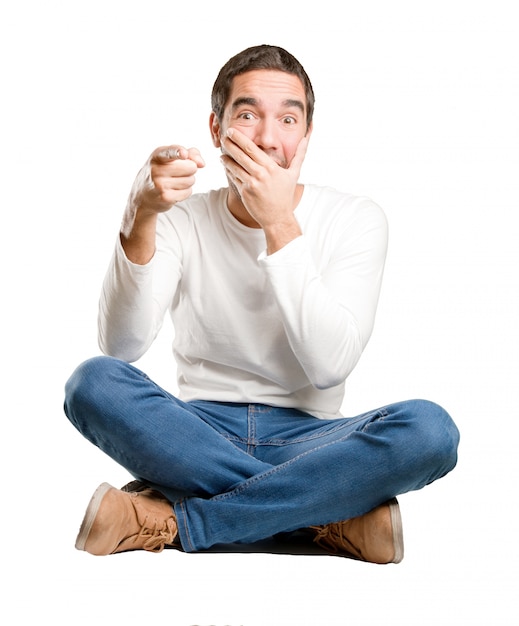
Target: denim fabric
{"points": [[243, 472]]}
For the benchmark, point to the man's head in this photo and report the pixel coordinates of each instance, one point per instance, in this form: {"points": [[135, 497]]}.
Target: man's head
{"points": [[262, 57]]}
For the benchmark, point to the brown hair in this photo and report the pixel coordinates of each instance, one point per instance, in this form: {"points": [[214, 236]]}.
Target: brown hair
{"points": [[262, 57]]}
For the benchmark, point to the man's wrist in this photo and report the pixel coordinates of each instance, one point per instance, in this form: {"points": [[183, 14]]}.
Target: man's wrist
{"points": [[280, 234]]}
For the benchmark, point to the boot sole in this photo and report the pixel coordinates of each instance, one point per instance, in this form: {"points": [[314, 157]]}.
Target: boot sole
{"points": [[398, 534], [90, 515]]}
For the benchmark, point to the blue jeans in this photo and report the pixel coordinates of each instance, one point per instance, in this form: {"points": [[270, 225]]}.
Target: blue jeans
{"points": [[244, 472]]}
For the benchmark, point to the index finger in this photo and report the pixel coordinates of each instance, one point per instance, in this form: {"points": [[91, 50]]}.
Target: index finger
{"points": [[246, 145], [169, 153]]}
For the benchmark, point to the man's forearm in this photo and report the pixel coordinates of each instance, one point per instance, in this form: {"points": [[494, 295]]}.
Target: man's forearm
{"points": [[139, 243]]}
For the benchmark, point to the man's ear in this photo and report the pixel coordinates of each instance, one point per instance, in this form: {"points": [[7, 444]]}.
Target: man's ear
{"points": [[309, 129], [214, 126]]}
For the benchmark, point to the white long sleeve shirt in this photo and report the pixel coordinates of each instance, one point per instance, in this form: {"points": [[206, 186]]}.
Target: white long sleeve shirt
{"points": [[284, 329]]}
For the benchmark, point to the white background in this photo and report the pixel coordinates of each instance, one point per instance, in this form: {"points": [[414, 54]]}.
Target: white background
{"points": [[417, 107]]}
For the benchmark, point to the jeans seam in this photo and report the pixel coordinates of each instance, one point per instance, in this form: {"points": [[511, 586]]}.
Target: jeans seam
{"points": [[274, 470], [184, 516], [251, 429], [345, 423], [378, 415], [251, 443]]}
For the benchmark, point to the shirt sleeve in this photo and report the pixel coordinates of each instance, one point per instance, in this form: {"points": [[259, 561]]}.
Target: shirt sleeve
{"points": [[329, 313], [134, 299]]}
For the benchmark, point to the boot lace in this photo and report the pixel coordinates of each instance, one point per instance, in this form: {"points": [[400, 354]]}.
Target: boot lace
{"points": [[155, 538], [331, 537]]}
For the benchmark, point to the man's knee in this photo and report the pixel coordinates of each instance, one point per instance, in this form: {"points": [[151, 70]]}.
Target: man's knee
{"points": [[438, 434], [84, 387]]}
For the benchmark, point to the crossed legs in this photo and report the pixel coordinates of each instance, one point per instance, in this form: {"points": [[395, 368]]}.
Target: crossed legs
{"points": [[240, 473]]}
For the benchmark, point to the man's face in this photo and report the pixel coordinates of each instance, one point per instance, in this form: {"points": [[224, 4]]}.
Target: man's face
{"points": [[269, 107]]}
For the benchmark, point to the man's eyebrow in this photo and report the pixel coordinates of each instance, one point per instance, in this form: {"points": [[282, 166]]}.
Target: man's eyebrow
{"points": [[244, 100], [294, 103], [247, 100]]}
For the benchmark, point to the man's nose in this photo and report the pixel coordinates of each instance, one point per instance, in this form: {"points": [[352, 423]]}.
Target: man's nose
{"points": [[266, 137]]}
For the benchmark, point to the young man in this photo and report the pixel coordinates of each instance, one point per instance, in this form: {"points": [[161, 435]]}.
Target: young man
{"points": [[272, 287]]}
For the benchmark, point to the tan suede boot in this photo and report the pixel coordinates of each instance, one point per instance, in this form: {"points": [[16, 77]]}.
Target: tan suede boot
{"points": [[375, 537], [116, 521]]}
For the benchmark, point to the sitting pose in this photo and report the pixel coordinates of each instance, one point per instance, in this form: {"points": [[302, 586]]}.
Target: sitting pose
{"points": [[272, 287]]}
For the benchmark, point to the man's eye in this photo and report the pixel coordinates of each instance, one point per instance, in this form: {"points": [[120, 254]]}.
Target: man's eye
{"points": [[246, 116], [289, 120]]}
